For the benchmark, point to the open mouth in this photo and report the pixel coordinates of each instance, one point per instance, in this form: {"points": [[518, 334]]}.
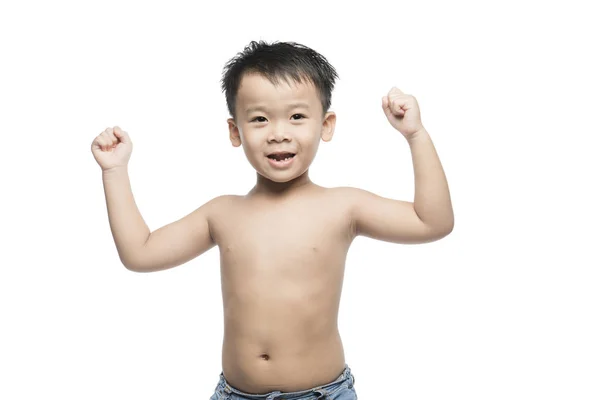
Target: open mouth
{"points": [[281, 157]]}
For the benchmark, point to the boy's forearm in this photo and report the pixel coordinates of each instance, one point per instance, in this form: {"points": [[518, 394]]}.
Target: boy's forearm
{"points": [[129, 230], [432, 196]]}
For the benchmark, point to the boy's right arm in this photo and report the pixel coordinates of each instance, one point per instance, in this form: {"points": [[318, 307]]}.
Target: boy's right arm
{"points": [[139, 249]]}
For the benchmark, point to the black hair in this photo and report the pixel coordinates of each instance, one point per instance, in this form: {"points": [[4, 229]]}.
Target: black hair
{"points": [[275, 61]]}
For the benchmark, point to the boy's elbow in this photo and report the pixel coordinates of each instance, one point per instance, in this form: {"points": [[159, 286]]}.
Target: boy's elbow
{"points": [[135, 265], [146, 267], [449, 228], [442, 228], [148, 260], [131, 266], [444, 231]]}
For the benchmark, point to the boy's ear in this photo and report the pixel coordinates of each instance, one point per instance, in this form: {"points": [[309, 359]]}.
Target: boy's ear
{"points": [[328, 126], [234, 133]]}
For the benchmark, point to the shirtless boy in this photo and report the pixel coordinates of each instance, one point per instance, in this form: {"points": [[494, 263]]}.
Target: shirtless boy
{"points": [[281, 287]]}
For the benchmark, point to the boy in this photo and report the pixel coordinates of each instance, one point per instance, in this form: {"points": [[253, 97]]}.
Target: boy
{"points": [[283, 245]]}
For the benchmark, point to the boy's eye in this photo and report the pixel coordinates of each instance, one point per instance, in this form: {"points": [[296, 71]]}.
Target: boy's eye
{"points": [[263, 119]]}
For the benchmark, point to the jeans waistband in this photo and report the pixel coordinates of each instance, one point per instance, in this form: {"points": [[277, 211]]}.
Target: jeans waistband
{"points": [[346, 375]]}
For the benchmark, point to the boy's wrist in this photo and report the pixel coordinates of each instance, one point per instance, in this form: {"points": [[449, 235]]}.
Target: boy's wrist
{"points": [[418, 136], [114, 171]]}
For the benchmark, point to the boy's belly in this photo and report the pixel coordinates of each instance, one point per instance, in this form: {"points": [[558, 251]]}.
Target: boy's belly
{"points": [[282, 334], [252, 366]]}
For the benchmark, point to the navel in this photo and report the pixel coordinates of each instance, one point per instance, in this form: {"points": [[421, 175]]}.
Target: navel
{"points": [[264, 356]]}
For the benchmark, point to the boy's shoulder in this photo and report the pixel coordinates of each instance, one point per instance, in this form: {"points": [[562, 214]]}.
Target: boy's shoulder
{"points": [[346, 194], [223, 200], [349, 193], [343, 201]]}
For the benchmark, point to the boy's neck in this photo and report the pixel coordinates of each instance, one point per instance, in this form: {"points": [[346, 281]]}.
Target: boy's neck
{"points": [[268, 188]]}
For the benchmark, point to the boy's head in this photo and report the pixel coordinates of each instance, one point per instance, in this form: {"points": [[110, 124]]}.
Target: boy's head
{"points": [[278, 96]]}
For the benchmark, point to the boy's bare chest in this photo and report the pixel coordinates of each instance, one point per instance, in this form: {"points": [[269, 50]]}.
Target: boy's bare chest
{"points": [[297, 252], [310, 233], [276, 230]]}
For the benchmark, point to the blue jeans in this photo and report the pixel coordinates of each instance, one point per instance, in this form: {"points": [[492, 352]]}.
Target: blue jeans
{"points": [[340, 389]]}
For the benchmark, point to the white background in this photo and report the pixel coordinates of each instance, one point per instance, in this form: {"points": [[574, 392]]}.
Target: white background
{"points": [[506, 307]]}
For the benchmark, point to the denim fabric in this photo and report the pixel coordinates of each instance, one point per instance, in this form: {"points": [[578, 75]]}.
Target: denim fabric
{"points": [[341, 388]]}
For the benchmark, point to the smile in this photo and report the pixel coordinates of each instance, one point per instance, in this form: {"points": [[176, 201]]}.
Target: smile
{"points": [[281, 160]]}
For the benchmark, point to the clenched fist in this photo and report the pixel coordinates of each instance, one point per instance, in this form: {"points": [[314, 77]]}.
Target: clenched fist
{"points": [[112, 148]]}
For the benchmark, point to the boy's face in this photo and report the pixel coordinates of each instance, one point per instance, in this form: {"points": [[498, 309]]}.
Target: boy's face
{"points": [[283, 118]]}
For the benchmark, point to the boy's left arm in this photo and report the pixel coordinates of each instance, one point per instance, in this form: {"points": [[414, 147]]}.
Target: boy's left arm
{"points": [[430, 217]]}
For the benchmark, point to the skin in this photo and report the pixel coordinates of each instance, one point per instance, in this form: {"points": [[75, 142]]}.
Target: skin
{"points": [[283, 245], [282, 273]]}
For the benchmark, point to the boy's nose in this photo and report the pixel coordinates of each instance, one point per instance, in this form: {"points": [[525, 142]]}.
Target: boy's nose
{"points": [[278, 135]]}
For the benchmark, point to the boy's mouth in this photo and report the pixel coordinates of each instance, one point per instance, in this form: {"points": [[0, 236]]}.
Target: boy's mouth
{"points": [[281, 156], [281, 159]]}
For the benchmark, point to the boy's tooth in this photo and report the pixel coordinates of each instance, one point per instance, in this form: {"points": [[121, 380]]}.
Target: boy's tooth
{"points": [[281, 160]]}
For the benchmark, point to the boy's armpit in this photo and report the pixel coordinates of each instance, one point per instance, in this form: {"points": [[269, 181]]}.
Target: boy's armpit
{"points": [[178, 242], [388, 219]]}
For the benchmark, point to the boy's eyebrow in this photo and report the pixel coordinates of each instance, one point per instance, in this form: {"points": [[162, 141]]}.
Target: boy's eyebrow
{"points": [[261, 108]]}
